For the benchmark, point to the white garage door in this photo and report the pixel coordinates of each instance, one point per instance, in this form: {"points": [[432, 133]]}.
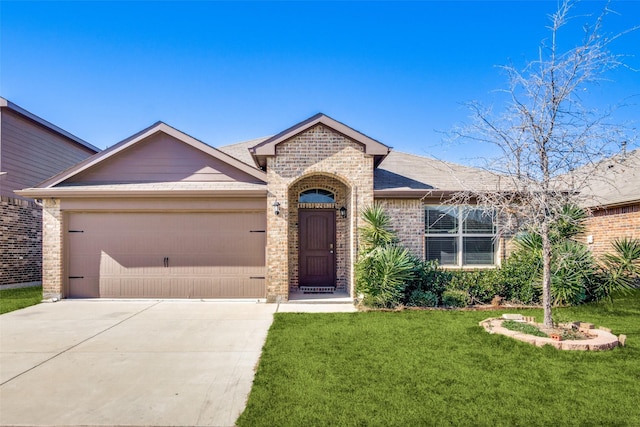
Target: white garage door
{"points": [[166, 255]]}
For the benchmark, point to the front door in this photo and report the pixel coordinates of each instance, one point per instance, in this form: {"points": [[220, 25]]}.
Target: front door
{"points": [[317, 230]]}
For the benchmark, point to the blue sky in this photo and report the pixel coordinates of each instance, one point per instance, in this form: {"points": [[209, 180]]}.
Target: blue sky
{"points": [[225, 72]]}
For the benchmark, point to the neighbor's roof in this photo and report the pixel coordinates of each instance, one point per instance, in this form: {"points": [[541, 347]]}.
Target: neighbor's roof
{"points": [[617, 185], [4, 103]]}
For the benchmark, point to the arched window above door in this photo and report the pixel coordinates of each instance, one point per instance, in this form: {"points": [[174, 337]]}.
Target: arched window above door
{"points": [[317, 195]]}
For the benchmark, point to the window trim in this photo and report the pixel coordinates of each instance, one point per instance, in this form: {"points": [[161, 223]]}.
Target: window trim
{"points": [[459, 234], [317, 191]]}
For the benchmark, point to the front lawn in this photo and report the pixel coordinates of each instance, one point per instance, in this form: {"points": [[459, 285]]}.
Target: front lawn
{"points": [[416, 368], [15, 299]]}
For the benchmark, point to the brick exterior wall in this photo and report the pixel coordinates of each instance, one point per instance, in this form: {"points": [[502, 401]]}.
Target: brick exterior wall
{"points": [[20, 241], [606, 225], [316, 158], [52, 239], [407, 220]]}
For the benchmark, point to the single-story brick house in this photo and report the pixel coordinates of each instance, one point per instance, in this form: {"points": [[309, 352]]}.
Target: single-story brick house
{"points": [[31, 150], [162, 214], [614, 202]]}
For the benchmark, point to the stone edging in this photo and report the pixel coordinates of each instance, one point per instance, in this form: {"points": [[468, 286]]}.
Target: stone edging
{"points": [[602, 340]]}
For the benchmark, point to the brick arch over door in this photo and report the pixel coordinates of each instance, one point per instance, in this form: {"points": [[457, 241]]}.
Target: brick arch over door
{"points": [[344, 240]]}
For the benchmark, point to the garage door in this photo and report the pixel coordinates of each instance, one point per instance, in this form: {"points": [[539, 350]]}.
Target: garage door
{"points": [[166, 255]]}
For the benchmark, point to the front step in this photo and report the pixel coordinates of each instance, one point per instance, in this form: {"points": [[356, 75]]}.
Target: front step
{"points": [[317, 289]]}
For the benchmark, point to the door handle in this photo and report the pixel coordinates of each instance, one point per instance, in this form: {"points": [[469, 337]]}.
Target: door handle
{"points": [[330, 248]]}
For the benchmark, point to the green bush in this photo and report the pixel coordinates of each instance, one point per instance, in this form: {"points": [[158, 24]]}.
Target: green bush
{"points": [[618, 270], [480, 285], [420, 298], [519, 277], [572, 270], [455, 298]]}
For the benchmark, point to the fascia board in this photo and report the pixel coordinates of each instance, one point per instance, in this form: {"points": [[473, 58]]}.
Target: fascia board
{"points": [[63, 193]]}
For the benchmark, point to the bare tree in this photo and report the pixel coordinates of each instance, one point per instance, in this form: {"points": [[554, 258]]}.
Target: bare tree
{"points": [[549, 141]]}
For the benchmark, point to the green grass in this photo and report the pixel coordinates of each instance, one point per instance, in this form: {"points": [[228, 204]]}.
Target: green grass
{"points": [[15, 299], [417, 368]]}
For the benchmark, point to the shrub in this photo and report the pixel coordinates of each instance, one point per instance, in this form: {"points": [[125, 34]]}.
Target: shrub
{"points": [[383, 270], [618, 270], [383, 275], [455, 298], [572, 269], [519, 277], [420, 298], [480, 285]]}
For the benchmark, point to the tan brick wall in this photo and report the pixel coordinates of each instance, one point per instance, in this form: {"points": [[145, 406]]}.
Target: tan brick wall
{"points": [[20, 241], [608, 224], [407, 220], [328, 159], [52, 252]]}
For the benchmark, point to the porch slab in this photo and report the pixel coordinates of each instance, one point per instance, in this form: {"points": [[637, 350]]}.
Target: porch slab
{"points": [[320, 298]]}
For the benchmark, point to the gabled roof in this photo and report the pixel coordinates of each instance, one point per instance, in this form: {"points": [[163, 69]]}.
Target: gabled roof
{"points": [[142, 135], [267, 147], [4, 103]]}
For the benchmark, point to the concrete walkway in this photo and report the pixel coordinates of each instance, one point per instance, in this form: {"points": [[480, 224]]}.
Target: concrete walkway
{"points": [[94, 362]]}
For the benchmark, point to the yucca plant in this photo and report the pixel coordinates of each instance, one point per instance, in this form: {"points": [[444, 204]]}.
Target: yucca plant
{"points": [[377, 229], [620, 269], [383, 274], [383, 269], [572, 266]]}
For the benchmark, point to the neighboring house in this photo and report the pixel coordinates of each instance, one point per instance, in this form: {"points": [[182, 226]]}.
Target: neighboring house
{"points": [[31, 150], [614, 202], [162, 214]]}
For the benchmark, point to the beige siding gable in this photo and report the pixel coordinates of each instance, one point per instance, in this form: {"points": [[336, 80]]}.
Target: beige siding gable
{"points": [[160, 158], [32, 153]]}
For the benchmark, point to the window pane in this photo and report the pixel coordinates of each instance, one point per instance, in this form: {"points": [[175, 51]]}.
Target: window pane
{"points": [[317, 196], [441, 219], [443, 249], [478, 221], [478, 250]]}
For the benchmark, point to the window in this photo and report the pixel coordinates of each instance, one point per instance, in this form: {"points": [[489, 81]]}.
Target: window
{"points": [[317, 196], [459, 236]]}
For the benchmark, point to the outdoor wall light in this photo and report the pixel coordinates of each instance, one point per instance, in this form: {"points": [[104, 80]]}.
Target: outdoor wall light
{"points": [[343, 212], [276, 207]]}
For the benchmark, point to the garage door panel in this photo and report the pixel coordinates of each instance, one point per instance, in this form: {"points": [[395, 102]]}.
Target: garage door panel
{"points": [[164, 255]]}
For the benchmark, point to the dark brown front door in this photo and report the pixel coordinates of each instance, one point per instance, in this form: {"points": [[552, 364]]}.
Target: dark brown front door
{"points": [[317, 247]]}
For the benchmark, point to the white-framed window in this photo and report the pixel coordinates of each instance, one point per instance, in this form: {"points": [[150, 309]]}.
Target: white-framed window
{"points": [[460, 236]]}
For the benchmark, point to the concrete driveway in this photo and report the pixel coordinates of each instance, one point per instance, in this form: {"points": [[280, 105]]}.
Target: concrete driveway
{"points": [[130, 362]]}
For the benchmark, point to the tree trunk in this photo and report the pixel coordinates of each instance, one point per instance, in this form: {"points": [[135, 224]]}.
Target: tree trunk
{"points": [[546, 274]]}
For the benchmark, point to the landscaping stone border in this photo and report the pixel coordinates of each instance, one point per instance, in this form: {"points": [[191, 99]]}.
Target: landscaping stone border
{"points": [[602, 339]]}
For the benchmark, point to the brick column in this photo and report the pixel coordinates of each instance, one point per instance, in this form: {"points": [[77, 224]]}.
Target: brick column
{"points": [[52, 253]]}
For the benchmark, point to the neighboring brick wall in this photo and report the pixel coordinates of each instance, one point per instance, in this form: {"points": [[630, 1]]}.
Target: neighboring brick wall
{"points": [[407, 220], [605, 225], [20, 241], [317, 152], [52, 254]]}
